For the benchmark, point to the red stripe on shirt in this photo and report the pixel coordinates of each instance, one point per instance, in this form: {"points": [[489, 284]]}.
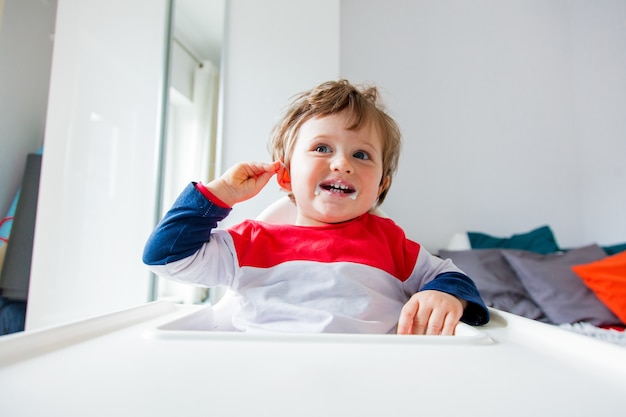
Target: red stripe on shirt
{"points": [[210, 196], [369, 240]]}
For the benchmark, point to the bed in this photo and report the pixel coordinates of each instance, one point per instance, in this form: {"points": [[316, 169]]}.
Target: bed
{"points": [[581, 289]]}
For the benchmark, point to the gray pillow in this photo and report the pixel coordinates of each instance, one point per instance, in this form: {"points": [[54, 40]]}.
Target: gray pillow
{"points": [[559, 292], [496, 281]]}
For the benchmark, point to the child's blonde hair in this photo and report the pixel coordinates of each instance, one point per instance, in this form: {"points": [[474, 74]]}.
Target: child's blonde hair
{"points": [[363, 105]]}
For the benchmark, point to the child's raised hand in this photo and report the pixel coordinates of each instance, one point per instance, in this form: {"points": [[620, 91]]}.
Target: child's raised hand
{"points": [[243, 181], [431, 312]]}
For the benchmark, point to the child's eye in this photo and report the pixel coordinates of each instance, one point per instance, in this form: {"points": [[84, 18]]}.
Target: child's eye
{"points": [[322, 148], [361, 155]]}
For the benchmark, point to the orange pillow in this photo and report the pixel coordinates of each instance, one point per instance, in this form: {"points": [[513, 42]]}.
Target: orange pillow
{"points": [[607, 279]]}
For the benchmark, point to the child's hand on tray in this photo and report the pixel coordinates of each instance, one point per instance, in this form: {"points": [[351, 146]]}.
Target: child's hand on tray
{"points": [[431, 313]]}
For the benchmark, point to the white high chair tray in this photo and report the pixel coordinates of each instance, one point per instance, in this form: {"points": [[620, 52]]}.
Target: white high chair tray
{"points": [[202, 324], [163, 359]]}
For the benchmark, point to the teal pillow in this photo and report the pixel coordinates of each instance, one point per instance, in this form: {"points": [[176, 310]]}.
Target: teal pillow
{"points": [[614, 249], [540, 240]]}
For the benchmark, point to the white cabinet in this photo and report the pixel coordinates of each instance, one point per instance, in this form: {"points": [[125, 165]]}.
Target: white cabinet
{"points": [[100, 167]]}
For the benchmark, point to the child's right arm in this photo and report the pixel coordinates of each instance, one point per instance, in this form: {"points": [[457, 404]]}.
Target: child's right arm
{"points": [[188, 224], [184, 228]]}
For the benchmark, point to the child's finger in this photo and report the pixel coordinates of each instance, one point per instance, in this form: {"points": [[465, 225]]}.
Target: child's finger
{"points": [[449, 325], [436, 323], [276, 166], [407, 315], [422, 320]]}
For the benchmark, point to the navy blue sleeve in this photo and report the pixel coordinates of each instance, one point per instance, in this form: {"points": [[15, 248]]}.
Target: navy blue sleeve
{"points": [[461, 286], [184, 228]]}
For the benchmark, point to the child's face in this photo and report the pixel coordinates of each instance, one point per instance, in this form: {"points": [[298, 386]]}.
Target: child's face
{"points": [[335, 173]]}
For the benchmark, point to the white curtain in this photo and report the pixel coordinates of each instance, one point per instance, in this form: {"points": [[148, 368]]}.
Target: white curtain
{"points": [[190, 147], [190, 153]]}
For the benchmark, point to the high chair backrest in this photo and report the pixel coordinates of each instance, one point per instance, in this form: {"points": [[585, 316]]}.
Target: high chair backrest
{"points": [[283, 211]]}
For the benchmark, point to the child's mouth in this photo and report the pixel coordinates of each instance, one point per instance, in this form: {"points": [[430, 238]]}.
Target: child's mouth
{"points": [[337, 189]]}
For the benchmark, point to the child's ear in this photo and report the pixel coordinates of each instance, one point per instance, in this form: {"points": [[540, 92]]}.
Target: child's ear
{"points": [[283, 178]]}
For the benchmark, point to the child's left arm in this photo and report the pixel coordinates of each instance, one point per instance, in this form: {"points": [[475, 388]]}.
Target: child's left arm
{"points": [[431, 312], [440, 295]]}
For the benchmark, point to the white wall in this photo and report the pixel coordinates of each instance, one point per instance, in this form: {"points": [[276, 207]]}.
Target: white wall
{"points": [[512, 112], [273, 50], [599, 78], [26, 33]]}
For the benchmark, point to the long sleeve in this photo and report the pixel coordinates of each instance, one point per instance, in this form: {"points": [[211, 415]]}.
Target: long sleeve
{"points": [[184, 228]]}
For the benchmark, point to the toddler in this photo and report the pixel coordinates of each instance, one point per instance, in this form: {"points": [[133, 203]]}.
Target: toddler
{"points": [[340, 268]]}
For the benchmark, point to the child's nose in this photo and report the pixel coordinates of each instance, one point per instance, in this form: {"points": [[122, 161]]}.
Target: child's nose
{"points": [[341, 163]]}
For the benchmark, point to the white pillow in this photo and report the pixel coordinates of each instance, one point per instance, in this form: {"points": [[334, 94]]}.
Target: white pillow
{"points": [[459, 241]]}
